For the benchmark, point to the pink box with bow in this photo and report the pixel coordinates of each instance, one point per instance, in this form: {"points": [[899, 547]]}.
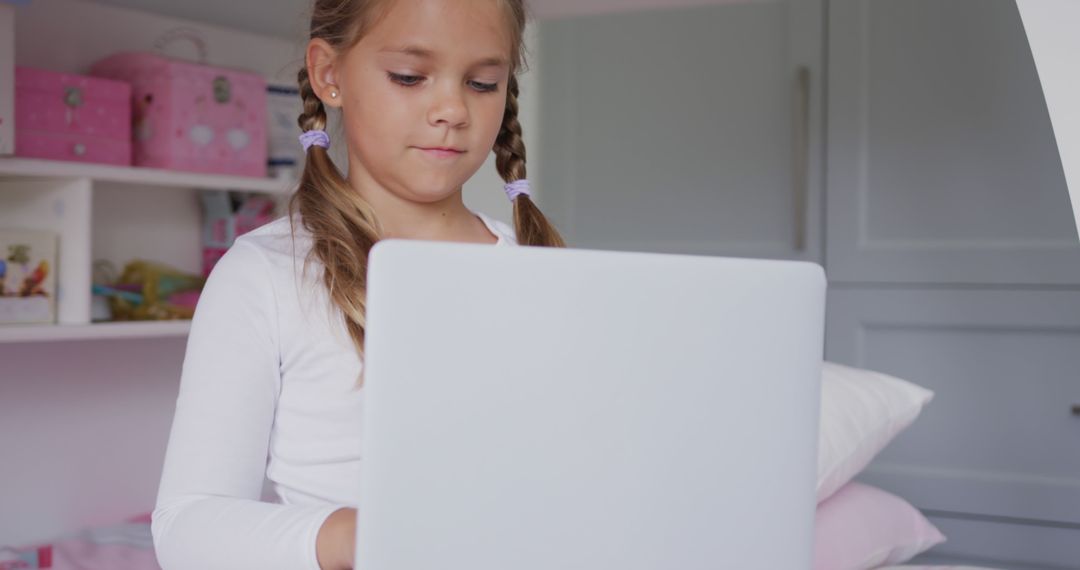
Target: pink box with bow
{"points": [[193, 117], [61, 116]]}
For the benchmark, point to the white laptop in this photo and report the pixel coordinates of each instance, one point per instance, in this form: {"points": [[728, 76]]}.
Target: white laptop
{"points": [[556, 409]]}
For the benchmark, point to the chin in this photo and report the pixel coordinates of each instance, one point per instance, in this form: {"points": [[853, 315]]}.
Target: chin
{"points": [[429, 194], [433, 190]]}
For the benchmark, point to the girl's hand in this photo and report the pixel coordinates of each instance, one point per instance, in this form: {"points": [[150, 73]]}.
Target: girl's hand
{"points": [[335, 546]]}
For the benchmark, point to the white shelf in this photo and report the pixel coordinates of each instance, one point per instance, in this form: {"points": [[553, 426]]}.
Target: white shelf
{"points": [[111, 213], [119, 330], [12, 167]]}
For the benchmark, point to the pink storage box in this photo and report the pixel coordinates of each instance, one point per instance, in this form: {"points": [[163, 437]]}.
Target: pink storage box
{"points": [[72, 117], [193, 117]]}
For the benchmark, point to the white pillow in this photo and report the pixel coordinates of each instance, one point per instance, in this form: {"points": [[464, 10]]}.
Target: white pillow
{"points": [[861, 412]]}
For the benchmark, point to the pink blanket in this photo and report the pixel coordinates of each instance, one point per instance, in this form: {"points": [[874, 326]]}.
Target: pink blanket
{"points": [[126, 546]]}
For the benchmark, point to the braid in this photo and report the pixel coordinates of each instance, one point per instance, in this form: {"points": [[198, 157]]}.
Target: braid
{"points": [[314, 116], [509, 145], [341, 223], [533, 228]]}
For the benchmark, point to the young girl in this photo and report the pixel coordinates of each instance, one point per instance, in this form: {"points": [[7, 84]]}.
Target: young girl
{"points": [[270, 385]]}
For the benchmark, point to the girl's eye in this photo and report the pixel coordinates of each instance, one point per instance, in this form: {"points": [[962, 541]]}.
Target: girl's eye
{"points": [[485, 87], [406, 80], [413, 80]]}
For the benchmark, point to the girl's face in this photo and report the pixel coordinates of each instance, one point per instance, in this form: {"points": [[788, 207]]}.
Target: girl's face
{"points": [[431, 74]]}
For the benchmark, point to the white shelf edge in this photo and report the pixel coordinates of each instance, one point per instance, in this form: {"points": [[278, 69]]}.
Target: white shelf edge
{"points": [[119, 330], [14, 167]]}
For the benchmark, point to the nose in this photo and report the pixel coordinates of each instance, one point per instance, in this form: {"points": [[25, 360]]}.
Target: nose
{"points": [[449, 108]]}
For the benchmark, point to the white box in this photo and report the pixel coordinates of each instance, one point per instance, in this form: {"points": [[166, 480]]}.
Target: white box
{"points": [[285, 155], [7, 79], [27, 276]]}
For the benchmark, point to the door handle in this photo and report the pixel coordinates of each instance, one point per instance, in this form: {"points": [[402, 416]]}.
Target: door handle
{"points": [[801, 154]]}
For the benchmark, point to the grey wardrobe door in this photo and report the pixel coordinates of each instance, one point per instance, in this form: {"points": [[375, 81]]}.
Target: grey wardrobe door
{"points": [[942, 165], [696, 130], [999, 445]]}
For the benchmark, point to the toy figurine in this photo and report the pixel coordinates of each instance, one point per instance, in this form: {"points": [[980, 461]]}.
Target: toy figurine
{"points": [[32, 285]]}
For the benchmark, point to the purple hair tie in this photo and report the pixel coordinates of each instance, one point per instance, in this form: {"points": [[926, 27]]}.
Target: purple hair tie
{"points": [[317, 138], [517, 188]]}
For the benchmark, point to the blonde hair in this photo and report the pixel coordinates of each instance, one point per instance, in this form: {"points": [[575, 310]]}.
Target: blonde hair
{"points": [[342, 224]]}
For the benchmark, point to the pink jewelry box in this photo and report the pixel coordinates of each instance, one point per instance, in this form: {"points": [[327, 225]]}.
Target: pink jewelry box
{"points": [[61, 116], [7, 80], [193, 117]]}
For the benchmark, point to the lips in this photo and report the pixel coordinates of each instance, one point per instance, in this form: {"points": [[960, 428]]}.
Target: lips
{"points": [[441, 151]]}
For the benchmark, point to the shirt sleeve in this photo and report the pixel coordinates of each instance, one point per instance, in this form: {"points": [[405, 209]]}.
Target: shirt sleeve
{"points": [[208, 514]]}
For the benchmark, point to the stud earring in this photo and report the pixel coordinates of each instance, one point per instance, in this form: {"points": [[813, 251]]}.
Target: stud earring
{"points": [[333, 94]]}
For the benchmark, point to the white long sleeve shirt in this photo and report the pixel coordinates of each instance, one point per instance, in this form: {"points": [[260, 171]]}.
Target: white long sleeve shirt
{"points": [[268, 392]]}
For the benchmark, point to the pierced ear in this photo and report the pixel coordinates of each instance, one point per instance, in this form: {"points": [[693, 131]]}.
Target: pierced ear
{"points": [[322, 72]]}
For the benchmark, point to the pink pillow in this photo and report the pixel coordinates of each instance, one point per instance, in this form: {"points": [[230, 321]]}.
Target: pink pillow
{"points": [[862, 527]]}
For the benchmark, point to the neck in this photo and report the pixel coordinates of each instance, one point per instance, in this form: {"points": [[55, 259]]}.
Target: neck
{"points": [[444, 220]]}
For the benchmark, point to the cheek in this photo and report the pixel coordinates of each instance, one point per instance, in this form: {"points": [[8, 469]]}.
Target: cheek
{"points": [[379, 115], [491, 116]]}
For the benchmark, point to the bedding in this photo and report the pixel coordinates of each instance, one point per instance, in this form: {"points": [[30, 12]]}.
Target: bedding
{"points": [[125, 546], [862, 527], [935, 568], [862, 411]]}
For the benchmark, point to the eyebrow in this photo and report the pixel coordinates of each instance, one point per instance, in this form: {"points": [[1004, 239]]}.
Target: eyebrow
{"points": [[424, 53]]}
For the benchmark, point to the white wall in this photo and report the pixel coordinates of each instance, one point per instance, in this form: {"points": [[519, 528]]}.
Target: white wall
{"points": [[1052, 32]]}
